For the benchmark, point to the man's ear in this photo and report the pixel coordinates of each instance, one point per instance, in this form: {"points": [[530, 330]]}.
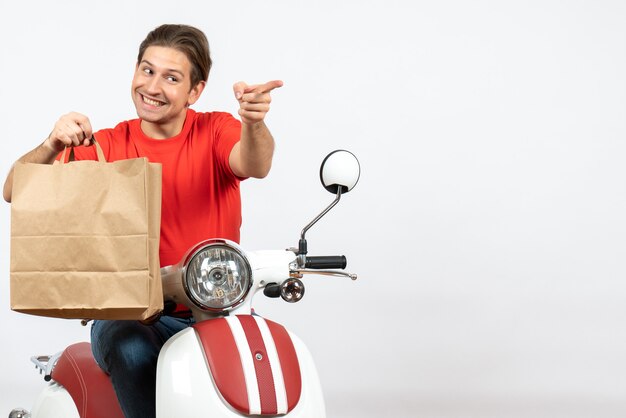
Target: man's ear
{"points": [[195, 93]]}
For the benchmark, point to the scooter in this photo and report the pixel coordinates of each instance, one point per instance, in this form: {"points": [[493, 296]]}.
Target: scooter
{"points": [[232, 362]]}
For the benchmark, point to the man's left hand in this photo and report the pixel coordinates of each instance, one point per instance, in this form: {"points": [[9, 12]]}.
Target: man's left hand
{"points": [[254, 100]]}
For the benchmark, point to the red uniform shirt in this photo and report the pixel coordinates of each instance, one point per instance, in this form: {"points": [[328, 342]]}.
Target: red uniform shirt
{"points": [[201, 197]]}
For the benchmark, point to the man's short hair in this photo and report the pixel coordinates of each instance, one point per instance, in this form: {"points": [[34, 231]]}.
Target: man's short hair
{"points": [[189, 40]]}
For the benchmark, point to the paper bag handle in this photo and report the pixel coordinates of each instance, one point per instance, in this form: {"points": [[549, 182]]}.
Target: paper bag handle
{"points": [[99, 152]]}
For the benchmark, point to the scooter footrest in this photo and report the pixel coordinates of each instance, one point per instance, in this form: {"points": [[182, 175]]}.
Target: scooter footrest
{"points": [[89, 386], [253, 363]]}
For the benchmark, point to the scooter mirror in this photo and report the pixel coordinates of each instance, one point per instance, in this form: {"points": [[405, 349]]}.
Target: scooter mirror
{"points": [[340, 168]]}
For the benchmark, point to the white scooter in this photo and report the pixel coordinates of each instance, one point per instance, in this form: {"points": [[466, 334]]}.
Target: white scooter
{"points": [[231, 363]]}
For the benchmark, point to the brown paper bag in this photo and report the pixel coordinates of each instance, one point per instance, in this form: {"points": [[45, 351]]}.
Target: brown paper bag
{"points": [[85, 239]]}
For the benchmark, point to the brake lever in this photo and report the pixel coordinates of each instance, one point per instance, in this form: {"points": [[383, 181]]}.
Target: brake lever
{"points": [[299, 273]]}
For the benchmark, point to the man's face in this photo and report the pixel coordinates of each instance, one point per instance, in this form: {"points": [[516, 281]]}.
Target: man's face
{"points": [[161, 90]]}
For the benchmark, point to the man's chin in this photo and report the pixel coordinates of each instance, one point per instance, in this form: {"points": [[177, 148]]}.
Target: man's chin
{"points": [[148, 116]]}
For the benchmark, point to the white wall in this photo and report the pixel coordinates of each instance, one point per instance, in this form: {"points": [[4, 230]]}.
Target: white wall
{"points": [[488, 227]]}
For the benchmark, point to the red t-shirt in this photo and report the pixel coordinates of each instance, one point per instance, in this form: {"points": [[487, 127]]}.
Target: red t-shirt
{"points": [[201, 197]]}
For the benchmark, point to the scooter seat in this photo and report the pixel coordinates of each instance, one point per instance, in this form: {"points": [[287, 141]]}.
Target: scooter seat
{"points": [[253, 362], [89, 386]]}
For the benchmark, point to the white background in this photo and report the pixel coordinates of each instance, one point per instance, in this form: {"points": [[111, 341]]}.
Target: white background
{"points": [[488, 227]]}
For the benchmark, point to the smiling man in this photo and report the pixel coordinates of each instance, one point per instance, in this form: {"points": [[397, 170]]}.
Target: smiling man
{"points": [[204, 156]]}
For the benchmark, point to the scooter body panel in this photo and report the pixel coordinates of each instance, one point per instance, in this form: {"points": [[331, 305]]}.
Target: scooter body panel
{"points": [[185, 385], [54, 402]]}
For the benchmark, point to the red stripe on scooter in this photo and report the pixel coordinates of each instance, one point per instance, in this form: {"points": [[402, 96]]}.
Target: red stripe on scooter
{"points": [[222, 355], [288, 362], [265, 378]]}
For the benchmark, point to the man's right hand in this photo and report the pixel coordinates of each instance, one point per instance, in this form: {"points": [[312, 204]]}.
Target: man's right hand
{"points": [[70, 130]]}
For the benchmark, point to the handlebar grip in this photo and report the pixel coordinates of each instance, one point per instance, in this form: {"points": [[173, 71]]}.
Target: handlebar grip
{"points": [[326, 262]]}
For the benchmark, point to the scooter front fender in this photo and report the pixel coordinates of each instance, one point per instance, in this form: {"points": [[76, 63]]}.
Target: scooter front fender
{"points": [[185, 385]]}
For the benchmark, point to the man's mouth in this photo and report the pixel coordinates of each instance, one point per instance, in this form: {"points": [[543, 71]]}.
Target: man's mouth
{"points": [[152, 102]]}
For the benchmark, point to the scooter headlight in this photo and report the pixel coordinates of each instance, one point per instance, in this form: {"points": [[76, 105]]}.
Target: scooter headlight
{"points": [[217, 276]]}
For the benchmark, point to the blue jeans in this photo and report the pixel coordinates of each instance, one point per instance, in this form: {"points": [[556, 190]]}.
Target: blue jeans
{"points": [[128, 352]]}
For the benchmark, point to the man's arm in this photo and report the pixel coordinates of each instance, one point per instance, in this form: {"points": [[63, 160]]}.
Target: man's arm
{"points": [[252, 155], [43, 154], [72, 129]]}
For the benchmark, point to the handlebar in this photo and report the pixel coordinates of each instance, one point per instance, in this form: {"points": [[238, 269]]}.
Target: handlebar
{"points": [[312, 265]]}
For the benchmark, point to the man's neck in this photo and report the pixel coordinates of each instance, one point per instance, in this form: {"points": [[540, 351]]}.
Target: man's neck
{"points": [[163, 131]]}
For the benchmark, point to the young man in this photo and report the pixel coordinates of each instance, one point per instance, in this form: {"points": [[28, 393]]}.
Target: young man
{"points": [[203, 155]]}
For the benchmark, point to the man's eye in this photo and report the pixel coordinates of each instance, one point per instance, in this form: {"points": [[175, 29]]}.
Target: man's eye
{"points": [[172, 79], [147, 70]]}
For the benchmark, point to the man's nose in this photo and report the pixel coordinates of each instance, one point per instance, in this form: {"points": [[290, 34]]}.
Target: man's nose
{"points": [[153, 85]]}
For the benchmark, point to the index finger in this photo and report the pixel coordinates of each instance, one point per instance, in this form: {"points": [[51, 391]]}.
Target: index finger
{"points": [[267, 87]]}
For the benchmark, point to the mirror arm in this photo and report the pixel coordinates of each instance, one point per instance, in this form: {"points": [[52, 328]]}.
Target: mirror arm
{"points": [[302, 250]]}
